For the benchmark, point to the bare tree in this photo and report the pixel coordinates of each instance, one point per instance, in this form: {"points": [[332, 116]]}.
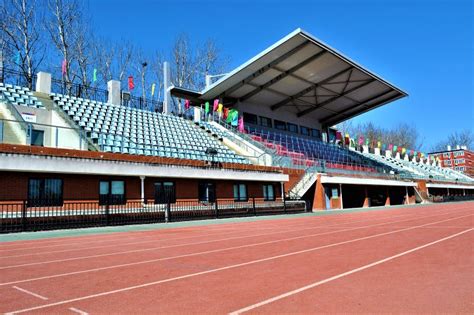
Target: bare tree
{"points": [[157, 74], [19, 26], [402, 135], [457, 138]]}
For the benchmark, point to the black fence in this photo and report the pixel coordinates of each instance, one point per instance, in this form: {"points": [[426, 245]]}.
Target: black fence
{"points": [[452, 198], [36, 215], [17, 77]]}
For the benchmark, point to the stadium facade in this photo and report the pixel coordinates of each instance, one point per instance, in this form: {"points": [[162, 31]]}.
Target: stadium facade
{"points": [[69, 157]]}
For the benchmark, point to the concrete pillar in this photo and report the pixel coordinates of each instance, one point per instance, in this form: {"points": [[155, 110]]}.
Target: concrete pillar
{"points": [[166, 87], [366, 200], [397, 155], [319, 200], [406, 158], [114, 89], [282, 191], [448, 190], [340, 196], [197, 114], [407, 197], [142, 189], [387, 200], [464, 192], [43, 82], [365, 149], [377, 151], [388, 153]]}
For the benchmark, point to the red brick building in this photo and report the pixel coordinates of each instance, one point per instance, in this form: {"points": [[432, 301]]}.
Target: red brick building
{"points": [[461, 160]]}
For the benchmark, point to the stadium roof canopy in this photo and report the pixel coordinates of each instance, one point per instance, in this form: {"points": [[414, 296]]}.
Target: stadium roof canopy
{"points": [[304, 76]]}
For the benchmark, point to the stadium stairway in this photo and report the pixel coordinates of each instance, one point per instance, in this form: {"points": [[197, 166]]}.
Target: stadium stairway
{"points": [[13, 126]]}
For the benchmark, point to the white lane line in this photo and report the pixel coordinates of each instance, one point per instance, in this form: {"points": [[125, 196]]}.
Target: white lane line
{"points": [[209, 271], [193, 254], [78, 311], [30, 293], [345, 274], [195, 243]]}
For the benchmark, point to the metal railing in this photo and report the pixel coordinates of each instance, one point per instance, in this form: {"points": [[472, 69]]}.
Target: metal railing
{"points": [[36, 215]]}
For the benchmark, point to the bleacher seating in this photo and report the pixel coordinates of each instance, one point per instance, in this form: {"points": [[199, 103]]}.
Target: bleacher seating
{"points": [[18, 95], [309, 152], [120, 129], [418, 169]]}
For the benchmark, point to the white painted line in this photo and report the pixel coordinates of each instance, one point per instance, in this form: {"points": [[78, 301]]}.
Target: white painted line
{"points": [[198, 243], [149, 284], [30, 293], [345, 274], [78, 311], [195, 254]]}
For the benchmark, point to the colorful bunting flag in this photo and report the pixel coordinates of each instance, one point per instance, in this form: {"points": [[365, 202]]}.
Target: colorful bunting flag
{"points": [[241, 124], [153, 90], [206, 107], [216, 105], [94, 75], [361, 140], [395, 148], [187, 103], [219, 108], [226, 113], [131, 85], [64, 67]]}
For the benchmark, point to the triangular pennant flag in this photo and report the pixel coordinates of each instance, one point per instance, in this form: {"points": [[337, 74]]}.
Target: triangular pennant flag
{"points": [[131, 85], [206, 107], [153, 89], [215, 105]]}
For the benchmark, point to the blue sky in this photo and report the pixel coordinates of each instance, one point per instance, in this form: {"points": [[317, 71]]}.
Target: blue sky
{"points": [[425, 47]]}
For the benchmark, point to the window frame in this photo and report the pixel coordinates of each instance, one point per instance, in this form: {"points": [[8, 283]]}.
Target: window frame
{"points": [[108, 200], [265, 192], [293, 126], [239, 198], [307, 132], [250, 118], [43, 202], [269, 120], [282, 123]]}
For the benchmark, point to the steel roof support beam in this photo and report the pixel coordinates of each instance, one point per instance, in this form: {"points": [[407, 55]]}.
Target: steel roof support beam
{"points": [[333, 119], [265, 68], [282, 75], [309, 110], [308, 89]]}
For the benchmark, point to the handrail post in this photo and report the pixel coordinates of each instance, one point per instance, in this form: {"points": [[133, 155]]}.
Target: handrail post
{"points": [[253, 205], [107, 212], [168, 211], [217, 209]]}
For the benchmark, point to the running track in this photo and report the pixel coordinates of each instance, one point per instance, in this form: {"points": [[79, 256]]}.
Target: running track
{"points": [[417, 259]]}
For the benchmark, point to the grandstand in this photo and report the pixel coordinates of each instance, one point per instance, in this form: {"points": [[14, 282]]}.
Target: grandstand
{"points": [[69, 158]]}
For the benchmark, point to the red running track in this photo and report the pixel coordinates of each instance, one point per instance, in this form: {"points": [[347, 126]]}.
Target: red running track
{"points": [[417, 259]]}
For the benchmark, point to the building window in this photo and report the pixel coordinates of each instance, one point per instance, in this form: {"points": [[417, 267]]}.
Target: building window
{"points": [[250, 118], [165, 192], [446, 155], [268, 192], [304, 131], [240, 192], [112, 192], [280, 125], [37, 138], [45, 192], [458, 153], [292, 127], [265, 122], [315, 133], [207, 192]]}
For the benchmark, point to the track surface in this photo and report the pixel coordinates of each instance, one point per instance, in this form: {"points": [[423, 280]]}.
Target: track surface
{"points": [[417, 259]]}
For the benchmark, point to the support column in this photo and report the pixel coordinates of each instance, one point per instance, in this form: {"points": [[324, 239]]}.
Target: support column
{"points": [[340, 196], [407, 197], [114, 89], [319, 200], [448, 190], [464, 191], [366, 200], [43, 82], [387, 200], [166, 88], [142, 189], [282, 191]]}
